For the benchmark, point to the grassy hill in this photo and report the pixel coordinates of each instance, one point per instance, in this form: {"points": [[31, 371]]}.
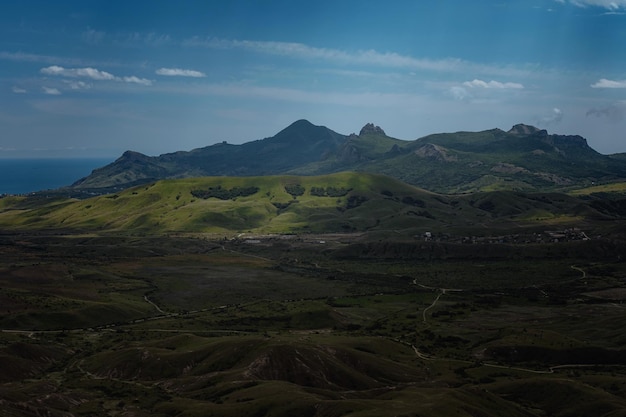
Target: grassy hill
{"points": [[343, 202], [338, 202]]}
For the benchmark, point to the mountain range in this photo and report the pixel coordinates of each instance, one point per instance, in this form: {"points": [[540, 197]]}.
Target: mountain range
{"points": [[524, 158]]}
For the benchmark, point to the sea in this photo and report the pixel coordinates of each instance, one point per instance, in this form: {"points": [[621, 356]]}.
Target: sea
{"points": [[23, 176]]}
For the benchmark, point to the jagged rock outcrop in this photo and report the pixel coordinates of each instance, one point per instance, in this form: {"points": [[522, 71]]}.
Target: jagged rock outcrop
{"points": [[435, 152], [522, 129], [370, 129], [349, 154]]}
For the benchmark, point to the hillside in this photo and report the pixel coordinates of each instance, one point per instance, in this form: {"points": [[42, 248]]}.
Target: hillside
{"points": [[343, 294], [523, 158], [104, 315], [343, 202], [298, 144]]}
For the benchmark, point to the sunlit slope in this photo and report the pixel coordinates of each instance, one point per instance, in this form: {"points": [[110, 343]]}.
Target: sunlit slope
{"points": [[344, 202], [614, 189]]}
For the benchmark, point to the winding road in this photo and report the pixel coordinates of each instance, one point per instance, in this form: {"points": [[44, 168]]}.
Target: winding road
{"points": [[443, 291]]}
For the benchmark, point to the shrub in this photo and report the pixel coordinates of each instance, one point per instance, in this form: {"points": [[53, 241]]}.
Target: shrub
{"points": [[294, 189], [329, 191], [224, 194]]}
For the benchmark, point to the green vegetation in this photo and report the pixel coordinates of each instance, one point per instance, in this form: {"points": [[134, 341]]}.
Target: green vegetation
{"points": [[344, 202], [223, 194], [618, 188], [293, 325], [295, 190], [346, 294], [329, 191]]}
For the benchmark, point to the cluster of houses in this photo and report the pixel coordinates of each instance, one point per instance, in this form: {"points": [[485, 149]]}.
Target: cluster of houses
{"points": [[566, 235]]}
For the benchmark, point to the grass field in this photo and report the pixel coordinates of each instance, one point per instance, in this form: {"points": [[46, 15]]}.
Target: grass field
{"points": [[339, 203]]}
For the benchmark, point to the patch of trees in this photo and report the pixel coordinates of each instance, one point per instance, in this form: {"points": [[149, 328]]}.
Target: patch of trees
{"points": [[283, 206], [354, 201], [413, 201], [295, 190], [421, 213], [329, 191], [610, 207], [223, 193], [408, 200]]}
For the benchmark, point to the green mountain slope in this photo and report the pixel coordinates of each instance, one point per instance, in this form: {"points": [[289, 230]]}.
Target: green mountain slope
{"points": [[343, 202], [298, 144], [524, 158]]}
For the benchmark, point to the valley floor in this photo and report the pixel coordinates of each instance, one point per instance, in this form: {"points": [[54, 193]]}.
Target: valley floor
{"points": [[310, 325]]}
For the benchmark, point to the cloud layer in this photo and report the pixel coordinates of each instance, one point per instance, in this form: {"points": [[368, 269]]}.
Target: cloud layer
{"points": [[50, 91], [492, 84], [614, 112], [604, 83], [607, 4], [303, 51], [178, 72], [93, 74]]}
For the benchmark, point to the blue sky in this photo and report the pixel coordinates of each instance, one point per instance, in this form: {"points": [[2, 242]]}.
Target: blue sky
{"points": [[95, 78]]}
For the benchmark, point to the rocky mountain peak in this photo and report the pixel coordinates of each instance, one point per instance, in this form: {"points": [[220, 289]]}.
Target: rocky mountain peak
{"points": [[132, 156], [370, 129], [522, 129]]}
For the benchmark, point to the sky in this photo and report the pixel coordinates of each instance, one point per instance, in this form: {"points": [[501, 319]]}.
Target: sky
{"points": [[96, 78]]}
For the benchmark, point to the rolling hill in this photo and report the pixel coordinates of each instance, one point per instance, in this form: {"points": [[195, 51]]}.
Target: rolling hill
{"points": [[524, 158], [342, 202]]}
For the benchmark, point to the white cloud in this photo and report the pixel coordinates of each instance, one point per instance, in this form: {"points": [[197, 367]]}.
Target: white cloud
{"points": [[93, 74], [475, 90], [88, 72], [136, 80], [604, 83], [23, 57], [363, 57], [51, 91], [369, 57], [180, 72], [18, 90], [126, 39], [459, 93], [359, 99], [607, 4], [492, 84], [555, 116], [77, 85], [137, 39]]}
